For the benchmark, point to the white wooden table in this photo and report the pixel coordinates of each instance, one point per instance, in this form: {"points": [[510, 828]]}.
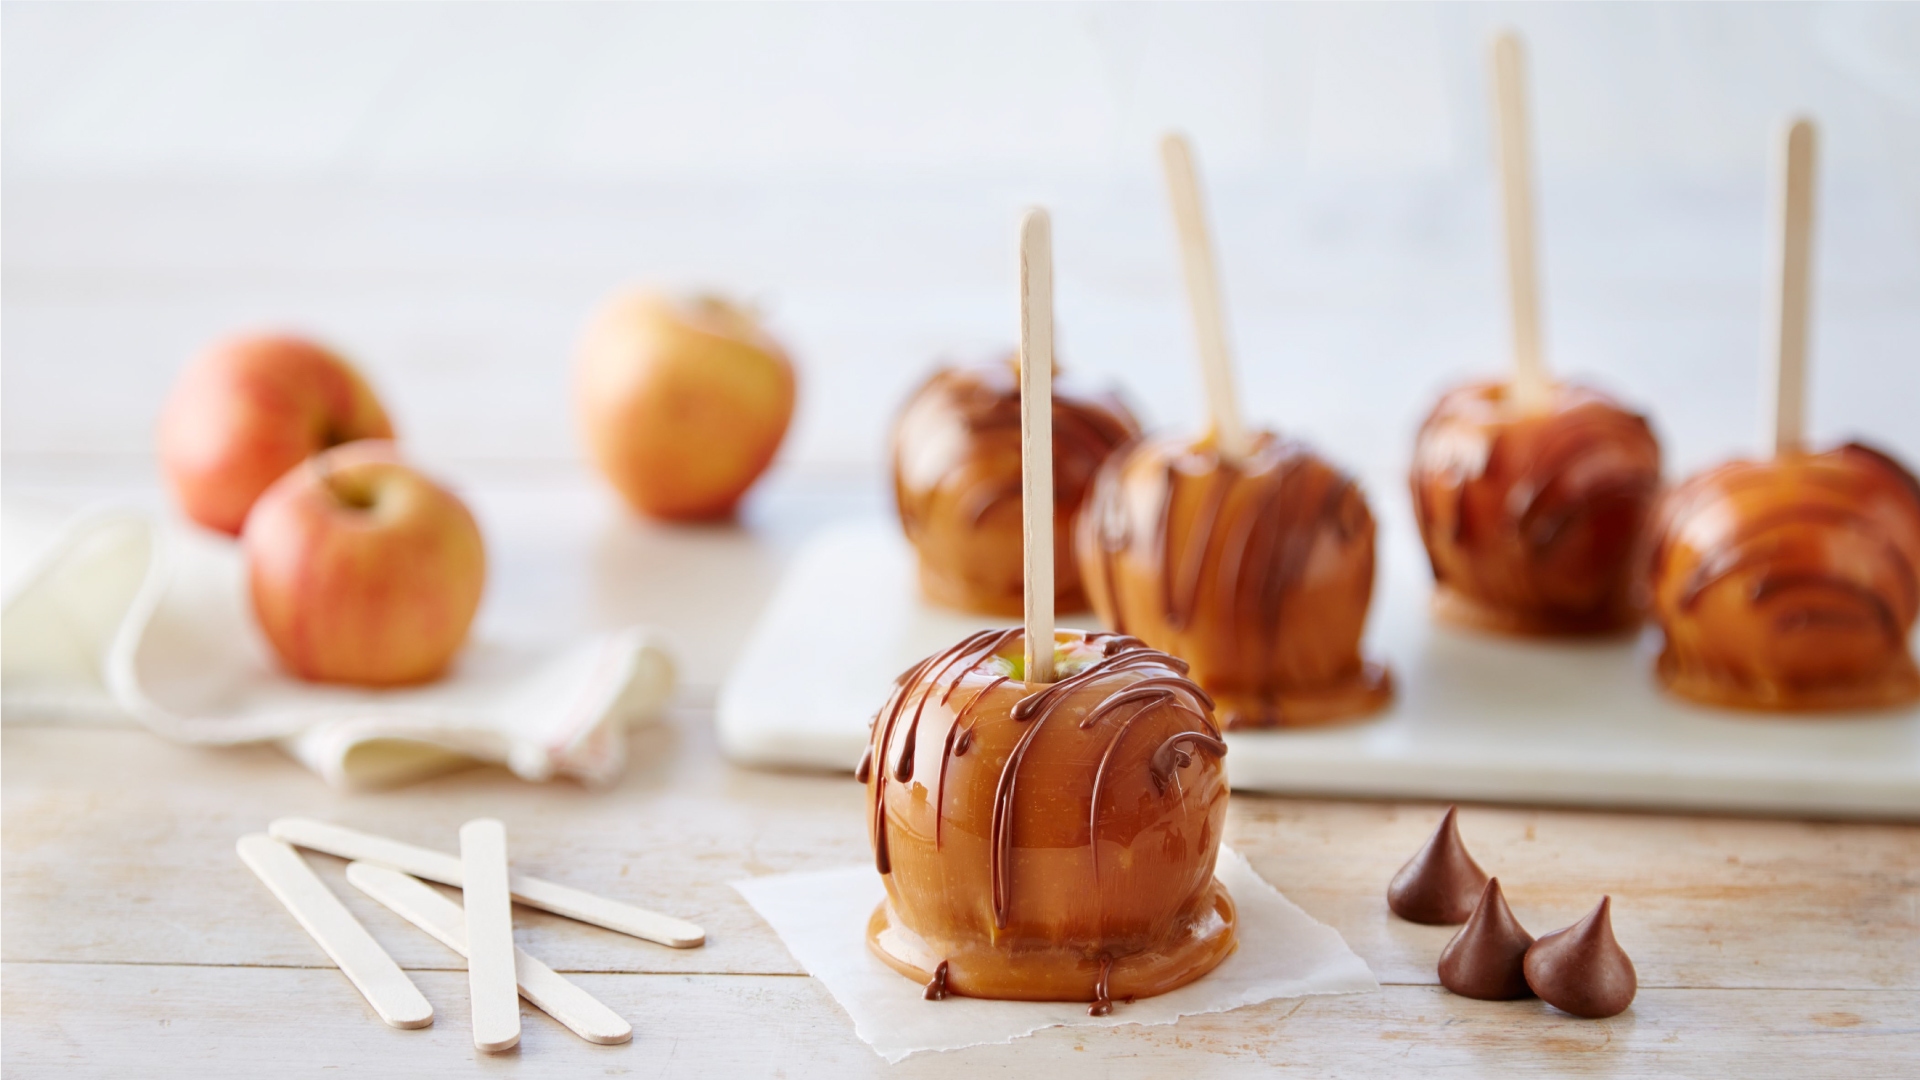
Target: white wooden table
{"points": [[137, 943]]}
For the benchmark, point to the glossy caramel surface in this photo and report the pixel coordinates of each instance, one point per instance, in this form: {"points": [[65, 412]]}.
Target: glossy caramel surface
{"points": [[1259, 574], [1049, 842], [1791, 583], [1532, 518], [956, 478]]}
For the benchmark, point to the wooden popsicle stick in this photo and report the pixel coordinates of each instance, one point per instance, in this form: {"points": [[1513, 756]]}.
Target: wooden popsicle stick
{"points": [[1530, 380], [380, 980], [491, 981], [1792, 280], [1036, 437], [531, 891], [419, 904], [1203, 296]]}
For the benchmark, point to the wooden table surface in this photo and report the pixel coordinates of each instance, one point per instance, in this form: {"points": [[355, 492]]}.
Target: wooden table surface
{"points": [[137, 943]]}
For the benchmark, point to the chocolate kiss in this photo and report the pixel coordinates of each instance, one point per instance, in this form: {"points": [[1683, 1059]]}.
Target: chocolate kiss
{"points": [[1581, 969], [1441, 883], [1484, 959]]}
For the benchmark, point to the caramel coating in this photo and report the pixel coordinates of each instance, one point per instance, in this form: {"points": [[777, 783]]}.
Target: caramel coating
{"points": [[1257, 573], [1048, 842], [1532, 518], [956, 481], [1791, 583]]}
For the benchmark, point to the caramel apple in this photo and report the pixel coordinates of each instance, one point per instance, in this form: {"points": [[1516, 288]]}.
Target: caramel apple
{"points": [[956, 476], [1257, 572], [1532, 515], [1048, 842], [1791, 583]]}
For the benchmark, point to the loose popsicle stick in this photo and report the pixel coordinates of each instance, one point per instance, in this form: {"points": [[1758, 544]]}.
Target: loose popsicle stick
{"points": [[1530, 379], [491, 981], [380, 980], [1036, 437], [531, 891], [1203, 295], [419, 904], [1792, 278]]}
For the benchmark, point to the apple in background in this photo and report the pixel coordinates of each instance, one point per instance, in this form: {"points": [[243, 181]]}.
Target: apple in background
{"points": [[249, 409], [683, 403], [362, 570]]}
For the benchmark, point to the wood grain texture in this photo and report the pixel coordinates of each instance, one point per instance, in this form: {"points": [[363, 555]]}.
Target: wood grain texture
{"points": [[141, 833], [1514, 146], [1036, 440], [1200, 270], [446, 869], [1792, 284], [112, 1021], [425, 907]]}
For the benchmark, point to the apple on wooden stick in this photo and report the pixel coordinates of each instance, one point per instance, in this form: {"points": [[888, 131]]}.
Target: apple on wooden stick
{"points": [[249, 409], [362, 570], [683, 403]]}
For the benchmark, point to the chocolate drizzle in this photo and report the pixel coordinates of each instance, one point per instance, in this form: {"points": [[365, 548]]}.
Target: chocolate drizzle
{"points": [[1441, 883], [1176, 753], [1163, 688], [1582, 969], [1221, 557], [1828, 540], [1103, 990], [1500, 496], [937, 986], [1485, 959], [979, 645], [956, 461]]}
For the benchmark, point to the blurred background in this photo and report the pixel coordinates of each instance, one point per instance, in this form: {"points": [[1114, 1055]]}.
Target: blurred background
{"points": [[444, 191]]}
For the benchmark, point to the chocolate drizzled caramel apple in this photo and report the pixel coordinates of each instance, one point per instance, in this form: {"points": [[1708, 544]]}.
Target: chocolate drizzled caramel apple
{"points": [[956, 477], [1531, 493], [1532, 515], [1256, 571], [1239, 551], [1048, 842], [1045, 806], [1791, 583]]}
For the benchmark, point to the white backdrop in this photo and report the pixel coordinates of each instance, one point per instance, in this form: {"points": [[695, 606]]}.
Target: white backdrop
{"points": [[444, 190]]}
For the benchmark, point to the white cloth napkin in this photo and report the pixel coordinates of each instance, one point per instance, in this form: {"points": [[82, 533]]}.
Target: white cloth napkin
{"points": [[115, 614], [822, 918]]}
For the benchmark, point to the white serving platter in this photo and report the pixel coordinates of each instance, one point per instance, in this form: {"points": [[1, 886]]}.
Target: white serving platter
{"points": [[1476, 717]]}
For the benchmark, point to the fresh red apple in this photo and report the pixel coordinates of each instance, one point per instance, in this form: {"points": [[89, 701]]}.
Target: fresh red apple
{"points": [[683, 403], [363, 570], [249, 409]]}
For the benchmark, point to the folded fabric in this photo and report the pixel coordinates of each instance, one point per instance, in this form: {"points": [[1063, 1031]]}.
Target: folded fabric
{"points": [[115, 614]]}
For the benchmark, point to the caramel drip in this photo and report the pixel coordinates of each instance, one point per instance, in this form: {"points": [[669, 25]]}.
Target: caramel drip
{"points": [[1103, 990], [937, 986], [987, 401]]}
